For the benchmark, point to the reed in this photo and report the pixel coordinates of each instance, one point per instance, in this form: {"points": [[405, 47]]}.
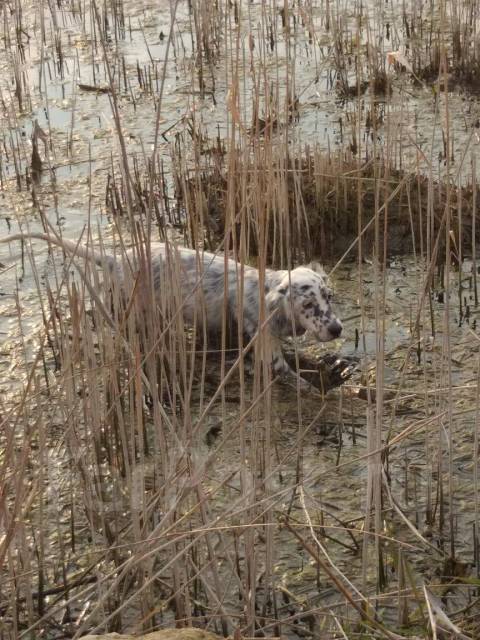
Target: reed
{"points": [[149, 478]]}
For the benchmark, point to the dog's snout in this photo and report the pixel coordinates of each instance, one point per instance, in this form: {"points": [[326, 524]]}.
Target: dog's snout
{"points": [[335, 328]]}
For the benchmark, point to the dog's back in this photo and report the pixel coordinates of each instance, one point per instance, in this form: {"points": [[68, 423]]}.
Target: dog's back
{"points": [[203, 284], [208, 284]]}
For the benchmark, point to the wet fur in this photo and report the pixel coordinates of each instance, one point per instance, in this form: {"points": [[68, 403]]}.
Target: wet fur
{"points": [[295, 301]]}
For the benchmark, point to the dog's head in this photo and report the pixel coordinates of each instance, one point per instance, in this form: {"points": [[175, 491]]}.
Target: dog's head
{"points": [[303, 298]]}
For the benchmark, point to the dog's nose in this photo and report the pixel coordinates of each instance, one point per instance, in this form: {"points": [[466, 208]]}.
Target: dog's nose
{"points": [[335, 328]]}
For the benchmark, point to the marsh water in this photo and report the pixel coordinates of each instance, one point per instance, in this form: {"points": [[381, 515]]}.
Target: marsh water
{"points": [[320, 445], [430, 362]]}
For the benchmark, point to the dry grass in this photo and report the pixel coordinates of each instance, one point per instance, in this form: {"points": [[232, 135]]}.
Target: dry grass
{"points": [[147, 480]]}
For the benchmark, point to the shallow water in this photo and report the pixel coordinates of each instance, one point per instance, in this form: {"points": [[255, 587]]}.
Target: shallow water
{"points": [[83, 150], [328, 457], [317, 445], [80, 126]]}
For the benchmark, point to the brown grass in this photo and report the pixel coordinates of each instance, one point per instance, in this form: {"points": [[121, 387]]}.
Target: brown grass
{"points": [[147, 480]]}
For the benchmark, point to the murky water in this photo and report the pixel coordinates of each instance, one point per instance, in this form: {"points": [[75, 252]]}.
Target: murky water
{"points": [[82, 148], [322, 446], [325, 451]]}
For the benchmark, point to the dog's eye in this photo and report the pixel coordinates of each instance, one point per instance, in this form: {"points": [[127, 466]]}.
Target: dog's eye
{"points": [[308, 305], [329, 296]]}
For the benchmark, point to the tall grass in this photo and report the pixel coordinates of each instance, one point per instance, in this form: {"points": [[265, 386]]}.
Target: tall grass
{"points": [[149, 479]]}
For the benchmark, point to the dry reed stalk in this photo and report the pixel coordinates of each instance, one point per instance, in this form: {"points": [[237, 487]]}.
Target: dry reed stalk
{"points": [[176, 536]]}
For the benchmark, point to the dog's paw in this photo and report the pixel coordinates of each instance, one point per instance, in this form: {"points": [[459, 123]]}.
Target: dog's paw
{"points": [[336, 370]]}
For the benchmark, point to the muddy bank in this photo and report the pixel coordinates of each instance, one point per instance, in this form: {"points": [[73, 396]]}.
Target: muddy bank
{"points": [[314, 204]]}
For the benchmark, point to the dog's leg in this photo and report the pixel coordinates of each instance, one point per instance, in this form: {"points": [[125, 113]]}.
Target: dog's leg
{"points": [[282, 368], [274, 353], [279, 364], [249, 329]]}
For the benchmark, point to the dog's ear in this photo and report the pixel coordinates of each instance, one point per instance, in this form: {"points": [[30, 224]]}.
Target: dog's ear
{"points": [[317, 267], [276, 298], [319, 270], [276, 302]]}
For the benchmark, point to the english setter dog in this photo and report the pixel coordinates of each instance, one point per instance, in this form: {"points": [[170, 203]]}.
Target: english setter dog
{"points": [[296, 301]]}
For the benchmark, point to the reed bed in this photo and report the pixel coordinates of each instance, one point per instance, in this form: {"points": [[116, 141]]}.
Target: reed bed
{"points": [[149, 479]]}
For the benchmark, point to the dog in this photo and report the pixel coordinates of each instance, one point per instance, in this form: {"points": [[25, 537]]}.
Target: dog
{"points": [[295, 301]]}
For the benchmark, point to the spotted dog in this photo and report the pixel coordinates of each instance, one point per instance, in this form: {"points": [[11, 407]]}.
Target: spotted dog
{"points": [[296, 301]]}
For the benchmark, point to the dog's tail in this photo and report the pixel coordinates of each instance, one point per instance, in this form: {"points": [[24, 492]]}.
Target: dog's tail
{"points": [[72, 248]]}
